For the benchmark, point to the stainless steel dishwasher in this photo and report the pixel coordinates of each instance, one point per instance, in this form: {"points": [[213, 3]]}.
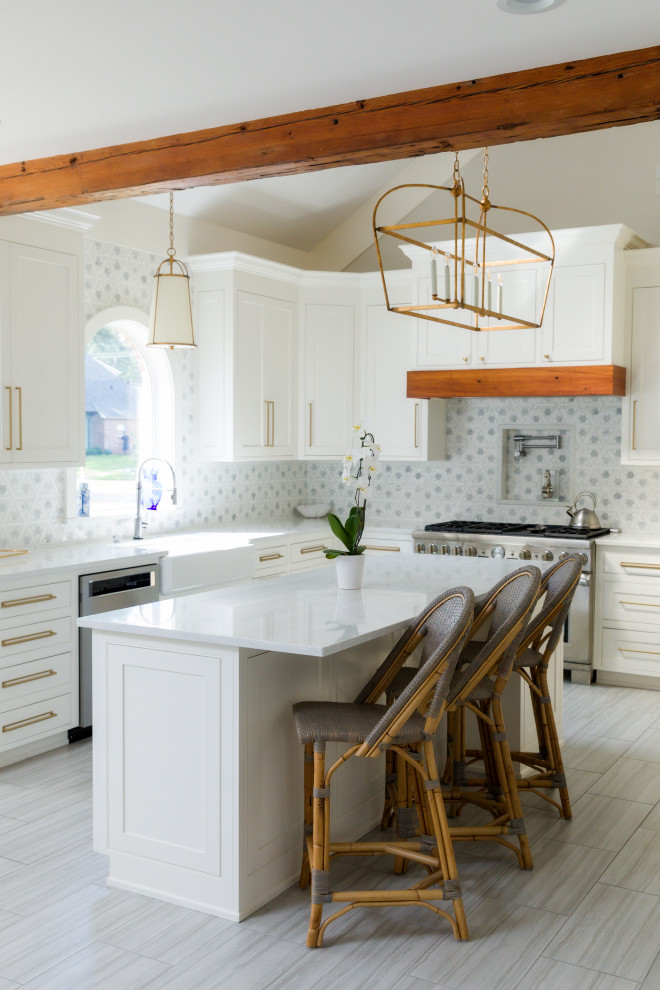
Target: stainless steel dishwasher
{"points": [[105, 592]]}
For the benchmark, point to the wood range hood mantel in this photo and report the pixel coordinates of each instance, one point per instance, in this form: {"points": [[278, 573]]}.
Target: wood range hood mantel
{"points": [[608, 379]]}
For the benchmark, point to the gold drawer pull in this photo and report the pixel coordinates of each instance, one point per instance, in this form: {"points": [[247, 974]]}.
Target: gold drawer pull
{"points": [[650, 567], [12, 602], [643, 604], [28, 721], [271, 556], [312, 549], [28, 639], [28, 678], [388, 549], [627, 649]]}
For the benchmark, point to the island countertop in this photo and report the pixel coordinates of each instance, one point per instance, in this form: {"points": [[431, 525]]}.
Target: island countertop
{"points": [[305, 613]]}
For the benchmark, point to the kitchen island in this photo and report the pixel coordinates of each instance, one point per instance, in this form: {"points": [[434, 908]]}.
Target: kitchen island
{"points": [[197, 769]]}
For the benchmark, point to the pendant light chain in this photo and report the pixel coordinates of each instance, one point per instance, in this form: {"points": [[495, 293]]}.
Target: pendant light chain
{"points": [[485, 191], [171, 250]]}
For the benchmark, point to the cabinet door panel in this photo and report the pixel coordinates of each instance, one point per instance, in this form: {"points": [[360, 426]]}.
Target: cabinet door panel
{"points": [[441, 345], [573, 326], [278, 364], [511, 348], [392, 417], [328, 394], [45, 356], [250, 426], [644, 391], [211, 396]]}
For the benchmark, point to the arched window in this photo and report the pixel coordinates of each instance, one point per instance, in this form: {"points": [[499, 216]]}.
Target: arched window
{"points": [[129, 407]]}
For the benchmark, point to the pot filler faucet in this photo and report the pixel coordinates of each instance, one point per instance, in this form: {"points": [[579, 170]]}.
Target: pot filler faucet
{"points": [[139, 525]]}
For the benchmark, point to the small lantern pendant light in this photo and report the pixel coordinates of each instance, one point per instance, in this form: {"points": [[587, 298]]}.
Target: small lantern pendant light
{"points": [[171, 323]]}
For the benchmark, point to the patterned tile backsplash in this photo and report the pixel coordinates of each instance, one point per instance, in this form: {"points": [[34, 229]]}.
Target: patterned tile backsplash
{"points": [[468, 484]]}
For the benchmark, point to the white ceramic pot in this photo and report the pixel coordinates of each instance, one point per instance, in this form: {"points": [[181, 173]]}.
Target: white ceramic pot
{"points": [[350, 568]]}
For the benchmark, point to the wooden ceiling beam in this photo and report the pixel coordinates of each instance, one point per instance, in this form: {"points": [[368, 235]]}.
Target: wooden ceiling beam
{"points": [[585, 95]]}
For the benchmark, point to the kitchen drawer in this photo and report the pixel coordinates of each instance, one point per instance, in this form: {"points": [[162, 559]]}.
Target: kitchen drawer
{"points": [[271, 558], [22, 680], [38, 598], [49, 634], [631, 602], [631, 652], [305, 554], [631, 562], [19, 725]]}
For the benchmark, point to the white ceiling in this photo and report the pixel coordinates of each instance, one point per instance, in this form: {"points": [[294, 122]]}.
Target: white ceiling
{"points": [[78, 77]]}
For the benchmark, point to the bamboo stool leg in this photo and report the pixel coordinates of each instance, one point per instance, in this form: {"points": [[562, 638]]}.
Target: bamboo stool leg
{"points": [[509, 784], [438, 815], [553, 744], [320, 875], [308, 812]]}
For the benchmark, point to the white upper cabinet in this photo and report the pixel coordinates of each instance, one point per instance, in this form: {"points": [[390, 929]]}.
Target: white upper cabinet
{"points": [[246, 324], [640, 437], [583, 320], [406, 429], [327, 361], [42, 412]]}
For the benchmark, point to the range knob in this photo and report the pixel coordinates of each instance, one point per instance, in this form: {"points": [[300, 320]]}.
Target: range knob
{"points": [[547, 555], [563, 555], [470, 551], [433, 548], [525, 555], [444, 549], [420, 548], [498, 551], [583, 557], [458, 550]]}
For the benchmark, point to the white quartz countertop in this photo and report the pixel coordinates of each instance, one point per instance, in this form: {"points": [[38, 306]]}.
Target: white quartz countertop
{"points": [[306, 613], [76, 557]]}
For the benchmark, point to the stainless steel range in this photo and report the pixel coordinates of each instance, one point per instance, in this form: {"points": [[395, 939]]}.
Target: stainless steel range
{"points": [[524, 541]]}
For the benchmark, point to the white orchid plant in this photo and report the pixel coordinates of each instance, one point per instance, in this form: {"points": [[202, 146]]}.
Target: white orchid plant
{"points": [[360, 465]]}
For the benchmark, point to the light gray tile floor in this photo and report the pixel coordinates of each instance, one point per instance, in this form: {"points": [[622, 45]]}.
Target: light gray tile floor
{"points": [[586, 918]]}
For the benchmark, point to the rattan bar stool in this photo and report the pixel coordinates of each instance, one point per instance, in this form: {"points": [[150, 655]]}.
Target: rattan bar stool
{"points": [[478, 687], [371, 729], [533, 657]]}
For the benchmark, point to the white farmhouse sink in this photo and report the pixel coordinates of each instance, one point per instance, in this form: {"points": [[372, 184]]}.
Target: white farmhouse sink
{"points": [[201, 560]]}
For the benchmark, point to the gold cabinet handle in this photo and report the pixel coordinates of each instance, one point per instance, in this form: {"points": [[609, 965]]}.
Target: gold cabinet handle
{"points": [[643, 604], [20, 418], [387, 549], [28, 721], [649, 567], [312, 549], [310, 424], [28, 678], [634, 447], [416, 424], [15, 640], [626, 649], [272, 425], [12, 602], [8, 388], [271, 556]]}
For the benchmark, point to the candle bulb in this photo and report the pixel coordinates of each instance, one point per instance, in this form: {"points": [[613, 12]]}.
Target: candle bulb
{"points": [[434, 275], [475, 283], [489, 293], [499, 293], [447, 286]]}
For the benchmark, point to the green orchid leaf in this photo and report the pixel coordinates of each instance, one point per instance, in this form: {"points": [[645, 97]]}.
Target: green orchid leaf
{"points": [[331, 554], [339, 531]]}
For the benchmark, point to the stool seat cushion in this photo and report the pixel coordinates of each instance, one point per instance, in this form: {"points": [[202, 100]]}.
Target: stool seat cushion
{"points": [[338, 721], [528, 658]]}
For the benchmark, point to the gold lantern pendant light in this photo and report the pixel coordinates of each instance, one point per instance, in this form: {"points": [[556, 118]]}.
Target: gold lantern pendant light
{"points": [[472, 266], [171, 323]]}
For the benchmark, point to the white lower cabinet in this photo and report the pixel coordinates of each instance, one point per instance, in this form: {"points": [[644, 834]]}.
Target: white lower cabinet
{"points": [[627, 621], [38, 666]]}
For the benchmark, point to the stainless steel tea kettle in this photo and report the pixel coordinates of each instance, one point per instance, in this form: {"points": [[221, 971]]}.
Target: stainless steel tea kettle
{"points": [[583, 518]]}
